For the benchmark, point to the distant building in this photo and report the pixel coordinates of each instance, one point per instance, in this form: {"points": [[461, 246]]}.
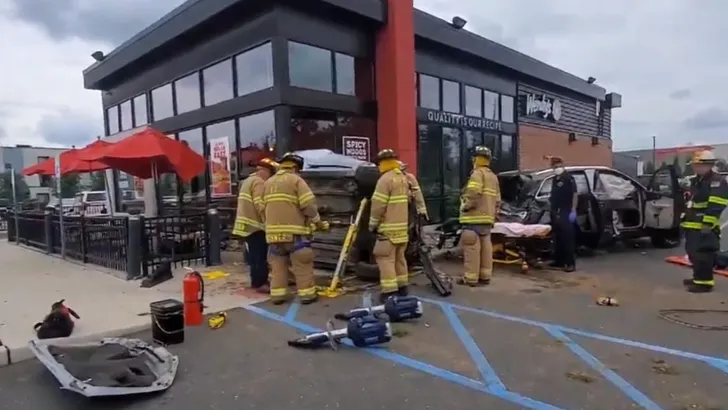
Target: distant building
{"points": [[23, 156], [645, 161]]}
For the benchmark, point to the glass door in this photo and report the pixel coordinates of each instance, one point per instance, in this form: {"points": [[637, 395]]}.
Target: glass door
{"points": [[429, 169], [451, 171]]}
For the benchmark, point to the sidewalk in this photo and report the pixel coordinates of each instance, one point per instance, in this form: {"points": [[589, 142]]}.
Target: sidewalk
{"points": [[31, 282]]}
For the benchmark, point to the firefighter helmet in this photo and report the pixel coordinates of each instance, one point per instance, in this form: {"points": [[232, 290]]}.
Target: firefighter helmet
{"points": [[554, 160], [482, 151], [704, 157], [268, 164], [386, 154], [402, 166], [292, 157]]}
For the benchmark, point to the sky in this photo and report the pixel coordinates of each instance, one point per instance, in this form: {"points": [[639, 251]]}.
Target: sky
{"points": [[666, 57]]}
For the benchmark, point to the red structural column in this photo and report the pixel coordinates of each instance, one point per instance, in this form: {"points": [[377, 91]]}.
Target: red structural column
{"points": [[395, 78]]}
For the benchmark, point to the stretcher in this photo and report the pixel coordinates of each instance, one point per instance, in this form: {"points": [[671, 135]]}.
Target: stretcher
{"points": [[513, 243], [685, 261]]}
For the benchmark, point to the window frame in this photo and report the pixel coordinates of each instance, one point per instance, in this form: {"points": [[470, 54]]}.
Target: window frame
{"points": [[238, 54], [108, 120], [136, 123], [196, 73], [438, 87], [233, 80]]}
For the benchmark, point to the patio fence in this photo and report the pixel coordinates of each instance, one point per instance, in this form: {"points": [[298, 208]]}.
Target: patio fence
{"points": [[132, 244]]}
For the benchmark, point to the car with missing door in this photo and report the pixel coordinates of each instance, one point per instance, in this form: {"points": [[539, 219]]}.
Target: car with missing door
{"points": [[611, 205]]}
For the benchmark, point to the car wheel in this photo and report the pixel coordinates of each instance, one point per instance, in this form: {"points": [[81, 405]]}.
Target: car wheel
{"points": [[665, 241], [368, 272]]}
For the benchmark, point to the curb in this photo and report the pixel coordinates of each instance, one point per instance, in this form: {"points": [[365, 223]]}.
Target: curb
{"points": [[10, 356]]}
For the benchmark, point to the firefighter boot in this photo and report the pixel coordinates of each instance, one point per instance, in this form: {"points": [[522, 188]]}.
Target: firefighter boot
{"points": [[696, 288], [687, 282]]}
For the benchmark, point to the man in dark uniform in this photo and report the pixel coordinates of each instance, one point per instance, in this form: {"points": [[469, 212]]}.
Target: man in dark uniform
{"points": [[701, 222], [563, 216]]}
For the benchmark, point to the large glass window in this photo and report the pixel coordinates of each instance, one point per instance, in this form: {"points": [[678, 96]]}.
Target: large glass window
{"points": [[257, 139], [140, 110], [254, 69], [450, 96], [217, 82], [345, 74], [162, 104], [112, 116], [429, 92], [451, 172], [491, 105], [310, 67], [429, 168], [194, 192], [127, 122], [507, 108], [471, 140], [223, 161], [473, 101], [507, 153], [187, 93], [313, 130]]}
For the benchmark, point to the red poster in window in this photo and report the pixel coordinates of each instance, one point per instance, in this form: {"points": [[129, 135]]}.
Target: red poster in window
{"points": [[220, 167]]}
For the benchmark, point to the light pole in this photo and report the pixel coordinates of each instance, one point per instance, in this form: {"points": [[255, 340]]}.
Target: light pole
{"points": [[654, 152]]}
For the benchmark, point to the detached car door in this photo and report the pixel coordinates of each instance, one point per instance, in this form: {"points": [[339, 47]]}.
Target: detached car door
{"points": [[664, 200]]}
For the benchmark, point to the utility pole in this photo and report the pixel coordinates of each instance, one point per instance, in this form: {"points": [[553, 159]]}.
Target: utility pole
{"points": [[654, 152]]}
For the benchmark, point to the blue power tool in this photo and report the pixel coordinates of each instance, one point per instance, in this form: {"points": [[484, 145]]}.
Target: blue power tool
{"points": [[362, 331], [398, 308]]}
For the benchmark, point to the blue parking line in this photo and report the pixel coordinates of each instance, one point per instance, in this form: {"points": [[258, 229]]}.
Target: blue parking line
{"points": [[632, 392], [484, 368], [418, 365], [292, 311], [718, 363]]}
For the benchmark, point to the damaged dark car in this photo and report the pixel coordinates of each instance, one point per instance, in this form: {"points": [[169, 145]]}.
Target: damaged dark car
{"points": [[611, 205]]}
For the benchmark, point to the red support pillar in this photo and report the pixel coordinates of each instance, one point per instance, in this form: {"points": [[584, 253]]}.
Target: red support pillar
{"points": [[395, 78]]}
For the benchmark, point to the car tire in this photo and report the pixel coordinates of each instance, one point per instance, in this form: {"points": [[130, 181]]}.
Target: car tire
{"points": [[368, 272], [665, 241]]}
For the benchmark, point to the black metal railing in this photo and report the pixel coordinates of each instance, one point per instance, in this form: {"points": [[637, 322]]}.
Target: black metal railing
{"points": [[3, 220], [31, 229], [102, 241], [181, 239]]}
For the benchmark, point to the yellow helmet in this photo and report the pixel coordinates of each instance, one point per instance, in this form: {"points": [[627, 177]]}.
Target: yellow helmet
{"points": [[704, 157], [482, 151], [292, 157]]}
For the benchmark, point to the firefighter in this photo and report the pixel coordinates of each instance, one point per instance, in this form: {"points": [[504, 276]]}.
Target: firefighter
{"points": [[563, 201], [291, 215], [389, 221], [415, 193], [708, 198], [249, 222], [480, 202]]}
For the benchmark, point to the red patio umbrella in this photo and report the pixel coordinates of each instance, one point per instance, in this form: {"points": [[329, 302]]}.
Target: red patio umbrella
{"points": [[149, 153], [70, 162]]}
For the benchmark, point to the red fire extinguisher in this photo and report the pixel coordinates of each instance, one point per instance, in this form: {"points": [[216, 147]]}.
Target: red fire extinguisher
{"points": [[193, 292]]}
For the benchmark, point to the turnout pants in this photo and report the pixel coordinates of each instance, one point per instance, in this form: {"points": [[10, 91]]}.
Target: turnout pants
{"points": [[703, 261], [477, 254], [297, 256], [390, 257], [564, 236], [257, 254]]}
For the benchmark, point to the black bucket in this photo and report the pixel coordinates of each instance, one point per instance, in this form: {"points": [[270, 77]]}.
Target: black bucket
{"points": [[168, 322]]}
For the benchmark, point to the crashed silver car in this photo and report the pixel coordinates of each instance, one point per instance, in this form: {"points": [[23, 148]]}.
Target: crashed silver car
{"points": [[612, 206]]}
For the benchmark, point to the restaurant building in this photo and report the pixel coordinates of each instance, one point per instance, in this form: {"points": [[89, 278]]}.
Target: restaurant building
{"points": [[239, 79]]}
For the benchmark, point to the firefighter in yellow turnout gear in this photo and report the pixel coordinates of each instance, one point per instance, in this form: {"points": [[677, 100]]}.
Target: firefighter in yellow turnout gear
{"points": [[480, 201], [701, 222], [415, 192], [389, 220], [291, 215], [249, 222]]}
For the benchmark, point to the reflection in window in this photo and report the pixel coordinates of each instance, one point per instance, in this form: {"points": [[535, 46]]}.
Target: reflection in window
{"points": [[313, 130], [345, 74], [162, 106], [451, 173], [187, 93], [472, 139], [310, 67], [126, 119], [473, 101], [218, 82], [450, 96], [223, 174], [257, 139], [507, 108], [194, 192], [429, 168], [112, 116], [490, 105], [358, 126], [507, 155], [254, 69], [429, 92], [140, 110]]}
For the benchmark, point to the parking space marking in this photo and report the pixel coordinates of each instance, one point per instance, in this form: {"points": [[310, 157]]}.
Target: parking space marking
{"points": [[293, 310], [634, 394], [716, 362], [418, 365], [486, 370]]}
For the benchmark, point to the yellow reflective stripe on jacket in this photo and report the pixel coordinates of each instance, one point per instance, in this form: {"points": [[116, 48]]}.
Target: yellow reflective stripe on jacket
{"points": [[698, 205], [292, 229], [717, 200], [280, 198], [475, 185], [710, 220], [245, 197], [398, 199], [393, 227], [691, 225], [305, 198], [378, 196], [490, 192], [248, 221]]}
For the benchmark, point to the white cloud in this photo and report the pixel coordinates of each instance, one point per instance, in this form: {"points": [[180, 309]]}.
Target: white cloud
{"points": [[663, 56]]}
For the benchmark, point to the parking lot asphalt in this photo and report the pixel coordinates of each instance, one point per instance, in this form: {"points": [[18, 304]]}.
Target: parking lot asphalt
{"points": [[527, 341]]}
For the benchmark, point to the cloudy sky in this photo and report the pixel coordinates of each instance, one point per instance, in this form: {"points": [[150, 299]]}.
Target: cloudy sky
{"points": [[666, 57]]}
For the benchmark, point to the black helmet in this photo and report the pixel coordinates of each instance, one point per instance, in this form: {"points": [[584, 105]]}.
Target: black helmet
{"points": [[482, 151], [292, 157], [386, 154]]}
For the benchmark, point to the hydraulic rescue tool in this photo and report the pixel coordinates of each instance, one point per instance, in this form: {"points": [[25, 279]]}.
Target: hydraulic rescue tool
{"points": [[362, 331], [439, 280], [333, 290], [397, 308]]}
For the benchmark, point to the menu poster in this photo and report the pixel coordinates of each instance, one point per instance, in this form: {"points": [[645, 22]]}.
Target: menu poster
{"points": [[220, 167]]}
